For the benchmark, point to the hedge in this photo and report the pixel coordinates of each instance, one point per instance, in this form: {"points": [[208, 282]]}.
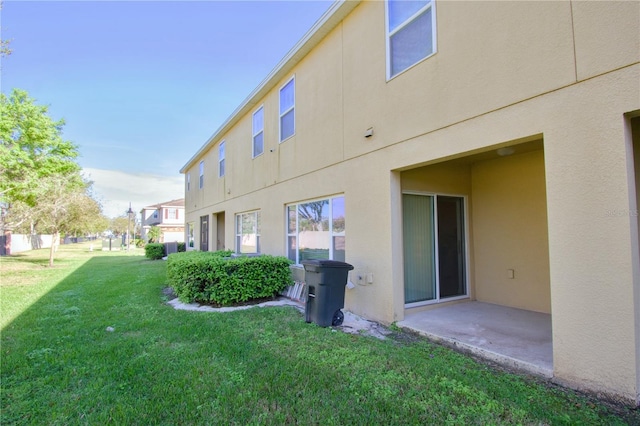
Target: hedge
{"points": [[154, 251], [216, 278]]}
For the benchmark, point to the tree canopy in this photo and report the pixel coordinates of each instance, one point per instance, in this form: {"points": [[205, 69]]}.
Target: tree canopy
{"points": [[5, 50], [40, 181], [31, 149]]}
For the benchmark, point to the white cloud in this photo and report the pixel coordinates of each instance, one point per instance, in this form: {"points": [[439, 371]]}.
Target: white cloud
{"points": [[115, 189]]}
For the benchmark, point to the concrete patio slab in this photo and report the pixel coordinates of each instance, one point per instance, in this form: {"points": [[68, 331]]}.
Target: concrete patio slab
{"points": [[512, 337]]}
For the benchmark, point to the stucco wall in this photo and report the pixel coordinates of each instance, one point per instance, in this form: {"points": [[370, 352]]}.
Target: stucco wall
{"points": [[563, 72], [510, 232]]}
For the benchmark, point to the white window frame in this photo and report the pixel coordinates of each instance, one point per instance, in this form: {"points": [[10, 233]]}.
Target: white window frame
{"points": [[221, 158], [389, 34], [188, 182], [296, 233], [291, 109], [257, 132], [191, 235], [239, 234], [201, 176], [172, 213]]}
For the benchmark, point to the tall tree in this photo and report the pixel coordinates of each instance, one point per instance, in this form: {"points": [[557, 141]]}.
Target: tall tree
{"points": [[40, 180], [31, 149]]}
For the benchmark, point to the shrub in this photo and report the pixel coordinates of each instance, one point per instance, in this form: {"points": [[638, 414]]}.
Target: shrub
{"points": [[154, 251], [182, 247], [213, 277]]}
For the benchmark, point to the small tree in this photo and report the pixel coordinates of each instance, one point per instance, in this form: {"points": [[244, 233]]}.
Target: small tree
{"points": [[119, 225], [154, 234], [85, 216], [60, 207]]}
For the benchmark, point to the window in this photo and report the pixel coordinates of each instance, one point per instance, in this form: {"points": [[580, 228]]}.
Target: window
{"points": [[248, 232], [171, 213], [287, 110], [221, 159], [190, 234], [258, 132], [155, 214], [316, 230], [410, 33], [201, 174], [188, 181]]}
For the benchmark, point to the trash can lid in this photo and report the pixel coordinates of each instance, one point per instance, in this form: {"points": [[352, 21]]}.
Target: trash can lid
{"points": [[325, 263]]}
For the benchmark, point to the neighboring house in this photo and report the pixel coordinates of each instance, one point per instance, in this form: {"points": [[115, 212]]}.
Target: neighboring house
{"points": [[169, 217], [450, 151]]}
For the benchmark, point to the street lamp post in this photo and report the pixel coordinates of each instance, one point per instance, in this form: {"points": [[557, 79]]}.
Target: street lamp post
{"points": [[130, 216]]}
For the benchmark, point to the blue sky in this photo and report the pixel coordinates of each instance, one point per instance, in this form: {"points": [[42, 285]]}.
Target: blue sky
{"points": [[143, 84]]}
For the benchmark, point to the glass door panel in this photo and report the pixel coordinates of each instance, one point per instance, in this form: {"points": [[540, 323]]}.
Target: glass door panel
{"points": [[419, 244], [451, 263]]}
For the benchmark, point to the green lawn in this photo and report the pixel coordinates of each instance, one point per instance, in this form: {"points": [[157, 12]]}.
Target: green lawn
{"points": [[61, 365]]}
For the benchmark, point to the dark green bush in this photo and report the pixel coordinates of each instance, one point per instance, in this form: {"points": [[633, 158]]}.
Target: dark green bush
{"points": [[154, 251], [213, 277], [182, 247]]}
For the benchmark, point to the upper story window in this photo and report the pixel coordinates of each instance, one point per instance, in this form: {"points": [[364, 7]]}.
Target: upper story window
{"points": [[221, 159], [258, 132], [287, 110], [201, 174], [155, 214], [188, 181], [410, 33], [171, 213]]}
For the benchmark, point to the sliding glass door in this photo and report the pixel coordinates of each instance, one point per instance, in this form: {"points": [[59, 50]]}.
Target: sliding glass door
{"points": [[434, 247]]}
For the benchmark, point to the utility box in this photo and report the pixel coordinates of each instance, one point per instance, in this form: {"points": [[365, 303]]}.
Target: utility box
{"points": [[325, 283], [170, 248]]}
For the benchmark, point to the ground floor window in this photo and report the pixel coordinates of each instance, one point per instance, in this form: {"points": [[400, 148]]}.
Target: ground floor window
{"points": [[248, 232], [316, 230], [190, 234]]}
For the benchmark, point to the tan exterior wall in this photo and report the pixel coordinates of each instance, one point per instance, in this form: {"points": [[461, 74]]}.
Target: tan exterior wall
{"points": [[510, 232], [510, 72]]}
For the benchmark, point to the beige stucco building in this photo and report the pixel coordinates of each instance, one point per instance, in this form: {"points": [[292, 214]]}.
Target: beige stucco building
{"points": [[451, 151]]}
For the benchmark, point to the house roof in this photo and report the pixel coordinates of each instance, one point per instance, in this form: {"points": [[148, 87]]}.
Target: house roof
{"points": [[173, 203], [327, 22]]}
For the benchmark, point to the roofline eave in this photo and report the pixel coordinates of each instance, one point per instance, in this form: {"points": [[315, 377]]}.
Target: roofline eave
{"points": [[327, 22]]}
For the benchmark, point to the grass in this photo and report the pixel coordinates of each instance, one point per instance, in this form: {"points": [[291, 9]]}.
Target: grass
{"points": [[62, 365]]}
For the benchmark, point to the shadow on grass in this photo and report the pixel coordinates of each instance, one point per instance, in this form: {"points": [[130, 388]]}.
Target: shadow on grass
{"points": [[46, 346]]}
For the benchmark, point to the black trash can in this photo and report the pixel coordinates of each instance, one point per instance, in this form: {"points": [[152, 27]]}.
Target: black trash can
{"points": [[325, 283]]}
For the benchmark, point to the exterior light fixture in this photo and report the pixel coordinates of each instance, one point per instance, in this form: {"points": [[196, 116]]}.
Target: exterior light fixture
{"points": [[503, 152]]}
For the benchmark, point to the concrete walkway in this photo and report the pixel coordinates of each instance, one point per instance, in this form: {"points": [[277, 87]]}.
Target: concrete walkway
{"points": [[512, 337], [352, 324]]}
